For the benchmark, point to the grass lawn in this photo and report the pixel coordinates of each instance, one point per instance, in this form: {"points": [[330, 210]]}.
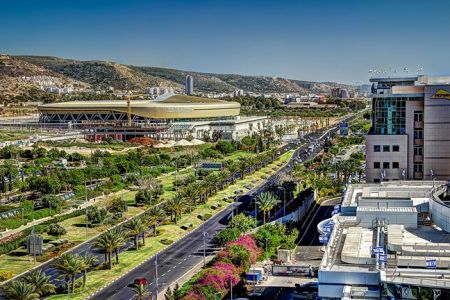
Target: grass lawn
{"points": [[129, 259]]}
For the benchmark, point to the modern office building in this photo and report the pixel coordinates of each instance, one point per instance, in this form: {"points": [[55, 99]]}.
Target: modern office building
{"points": [[189, 85], [410, 135], [388, 241]]}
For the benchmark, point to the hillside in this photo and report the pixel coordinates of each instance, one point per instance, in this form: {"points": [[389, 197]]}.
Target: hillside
{"points": [[19, 78], [100, 75]]}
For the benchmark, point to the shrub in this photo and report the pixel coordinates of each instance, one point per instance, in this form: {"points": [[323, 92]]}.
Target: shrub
{"points": [[56, 230], [5, 275], [225, 236], [166, 241]]}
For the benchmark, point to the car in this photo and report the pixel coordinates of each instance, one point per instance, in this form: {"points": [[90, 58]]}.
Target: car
{"points": [[141, 281]]}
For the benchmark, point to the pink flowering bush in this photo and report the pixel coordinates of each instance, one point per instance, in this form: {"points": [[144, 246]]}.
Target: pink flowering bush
{"points": [[249, 243], [230, 263]]}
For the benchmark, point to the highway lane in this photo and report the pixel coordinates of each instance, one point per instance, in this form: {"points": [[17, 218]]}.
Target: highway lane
{"points": [[173, 262]]}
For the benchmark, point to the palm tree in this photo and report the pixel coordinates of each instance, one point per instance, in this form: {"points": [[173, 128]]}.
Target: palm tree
{"points": [[233, 168], [89, 261], [266, 202], [140, 292], [176, 207], [70, 265], [242, 167], [153, 215], [19, 290], [40, 282], [110, 242], [135, 228]]}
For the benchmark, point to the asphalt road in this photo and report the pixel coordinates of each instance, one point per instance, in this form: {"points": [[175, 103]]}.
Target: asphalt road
{"points": [[173, 262], [187, 253]]}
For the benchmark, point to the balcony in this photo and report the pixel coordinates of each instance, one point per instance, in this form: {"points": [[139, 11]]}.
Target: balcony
{"points": [[418, 142], [418, 125]]}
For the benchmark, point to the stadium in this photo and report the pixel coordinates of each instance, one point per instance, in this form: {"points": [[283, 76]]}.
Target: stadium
{"points": [[169, 116], [165, 109]]}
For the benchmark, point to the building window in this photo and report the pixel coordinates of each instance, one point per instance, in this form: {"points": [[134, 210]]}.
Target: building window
{"points": [[376, 165], [376, 180], [376, 148], [418, 168], [386, 148], [418, 150], [395, 165], [386, 165], [418, 134], [395, 148], [418, 116]]}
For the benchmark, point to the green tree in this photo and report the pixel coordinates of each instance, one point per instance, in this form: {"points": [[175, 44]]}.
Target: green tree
{"points": [[225, 147], [40, 282], [153, 216], [140, 292], [242, 223], [266, 201], [89, 262], [225, 236], [56, 230], [135, 228], [19, 290], [110, 242], [70, 265], [176, 206]]}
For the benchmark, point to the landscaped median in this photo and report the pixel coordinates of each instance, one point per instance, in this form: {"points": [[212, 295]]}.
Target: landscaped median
{"points": [[169, 233]]}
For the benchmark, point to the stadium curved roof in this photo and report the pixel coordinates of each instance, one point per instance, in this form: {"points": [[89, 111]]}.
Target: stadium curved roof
{"points": [[172, 107]]}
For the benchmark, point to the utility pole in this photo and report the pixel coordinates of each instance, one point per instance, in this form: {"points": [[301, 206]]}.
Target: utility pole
{"points": [[156, 276]]}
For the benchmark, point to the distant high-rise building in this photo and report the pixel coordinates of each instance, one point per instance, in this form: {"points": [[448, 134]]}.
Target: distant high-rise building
{"points": [[189, 85], [335, 92]]}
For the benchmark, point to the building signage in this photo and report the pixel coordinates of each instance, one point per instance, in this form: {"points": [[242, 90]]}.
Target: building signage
{"points": [[441, 94]]}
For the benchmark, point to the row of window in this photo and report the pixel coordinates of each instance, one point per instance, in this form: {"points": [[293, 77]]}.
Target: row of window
{"points": [[386, 148], [386, 165]]}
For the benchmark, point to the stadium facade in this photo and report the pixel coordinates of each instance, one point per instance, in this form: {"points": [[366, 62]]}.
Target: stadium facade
{"points": [[170, 116]]}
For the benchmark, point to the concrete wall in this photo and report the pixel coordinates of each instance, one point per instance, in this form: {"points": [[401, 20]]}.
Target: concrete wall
{"points": [[331, 283], [440, 214], [371, 156]]}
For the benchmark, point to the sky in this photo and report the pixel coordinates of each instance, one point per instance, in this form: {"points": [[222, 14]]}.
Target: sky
{"points": [[319, 40]]}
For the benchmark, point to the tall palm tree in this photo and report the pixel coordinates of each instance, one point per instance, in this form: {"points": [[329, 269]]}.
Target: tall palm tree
{"points": [[242, 167], [135, 228], [110, 242], [70, 265], [140, 292], [233, 168], [176, 206], [89, 261], [153, 215], [19, 290], [266, 202], [40, 282]]}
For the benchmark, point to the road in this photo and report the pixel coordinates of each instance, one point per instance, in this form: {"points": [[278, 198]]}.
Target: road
{"points": [[187, 253]]}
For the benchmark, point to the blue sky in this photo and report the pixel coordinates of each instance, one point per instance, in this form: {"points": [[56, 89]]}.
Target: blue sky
{"points": [[326, 40]]}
